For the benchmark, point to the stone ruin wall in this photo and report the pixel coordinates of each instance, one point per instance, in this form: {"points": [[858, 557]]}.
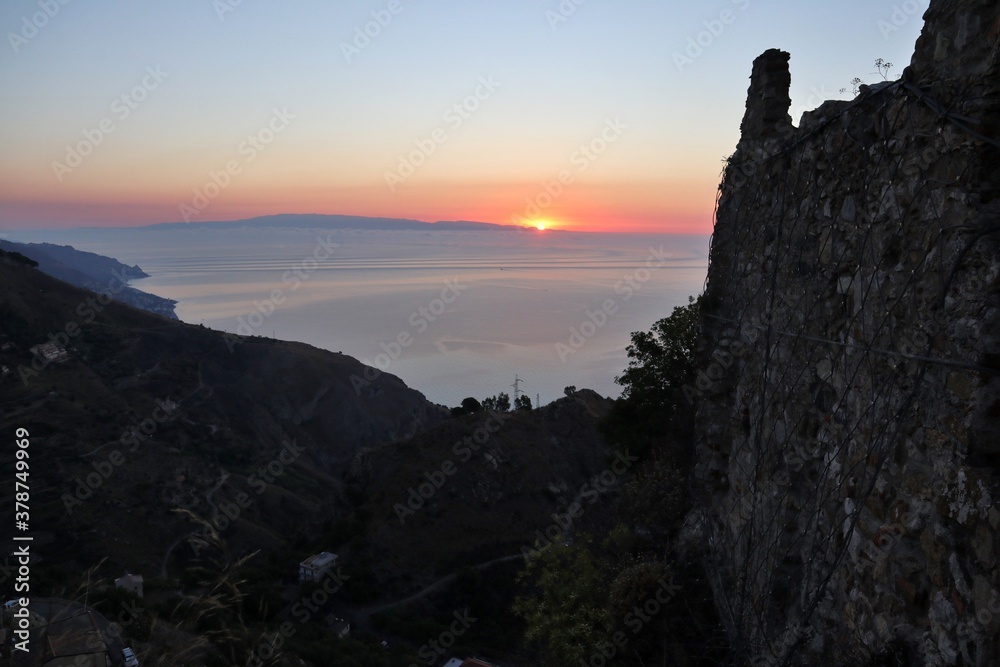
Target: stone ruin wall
{"points": [[849, 423]]}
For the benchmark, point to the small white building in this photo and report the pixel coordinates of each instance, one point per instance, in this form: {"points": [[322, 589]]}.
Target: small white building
{"points": [[315, 567], [50, 352], [131, 583]]}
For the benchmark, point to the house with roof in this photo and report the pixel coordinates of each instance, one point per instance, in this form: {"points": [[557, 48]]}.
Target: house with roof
{"points": [[316, 567]]}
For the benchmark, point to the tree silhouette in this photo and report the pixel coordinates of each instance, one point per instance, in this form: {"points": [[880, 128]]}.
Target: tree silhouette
{"points": [[498, 403]]}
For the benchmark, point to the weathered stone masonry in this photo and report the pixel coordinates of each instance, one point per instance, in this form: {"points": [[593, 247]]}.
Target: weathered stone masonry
{"points": [[849, 458]]}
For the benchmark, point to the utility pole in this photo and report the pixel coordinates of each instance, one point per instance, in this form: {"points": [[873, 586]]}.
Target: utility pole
{"points": [[517, 386]]}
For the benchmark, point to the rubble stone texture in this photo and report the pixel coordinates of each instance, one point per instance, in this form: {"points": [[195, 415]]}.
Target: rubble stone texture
{"points": [[849, 423]]}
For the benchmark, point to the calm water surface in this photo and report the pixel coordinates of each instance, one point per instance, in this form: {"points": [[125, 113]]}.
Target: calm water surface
{"points": [[453, 313]]}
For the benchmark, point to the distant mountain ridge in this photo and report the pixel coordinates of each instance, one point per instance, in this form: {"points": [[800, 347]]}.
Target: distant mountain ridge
{"points": [[324, 221]]}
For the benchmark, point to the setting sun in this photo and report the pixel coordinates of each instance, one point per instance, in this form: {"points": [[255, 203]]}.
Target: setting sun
{"points": [[540, 226]]}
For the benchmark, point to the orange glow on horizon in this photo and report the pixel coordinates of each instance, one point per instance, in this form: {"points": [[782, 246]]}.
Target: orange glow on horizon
{"points": [[68, 213], [647, 208], [677, 204]]}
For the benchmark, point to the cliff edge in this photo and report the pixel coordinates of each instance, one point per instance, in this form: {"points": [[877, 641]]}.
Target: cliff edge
{"points": [[848, 456]]}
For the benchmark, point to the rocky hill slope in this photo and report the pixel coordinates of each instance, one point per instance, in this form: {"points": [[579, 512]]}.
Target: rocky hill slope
{"points": [[482, 486], [847, 449], [132, 416], [173, 451]]}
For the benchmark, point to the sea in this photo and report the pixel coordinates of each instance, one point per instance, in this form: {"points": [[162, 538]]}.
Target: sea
{"points": [[453, 313]]}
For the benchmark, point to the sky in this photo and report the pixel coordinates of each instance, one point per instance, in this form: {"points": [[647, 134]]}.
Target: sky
{"points": [[591, 115]]}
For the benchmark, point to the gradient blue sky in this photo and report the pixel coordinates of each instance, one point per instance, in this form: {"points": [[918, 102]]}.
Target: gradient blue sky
{"points": [[226, 73]]}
